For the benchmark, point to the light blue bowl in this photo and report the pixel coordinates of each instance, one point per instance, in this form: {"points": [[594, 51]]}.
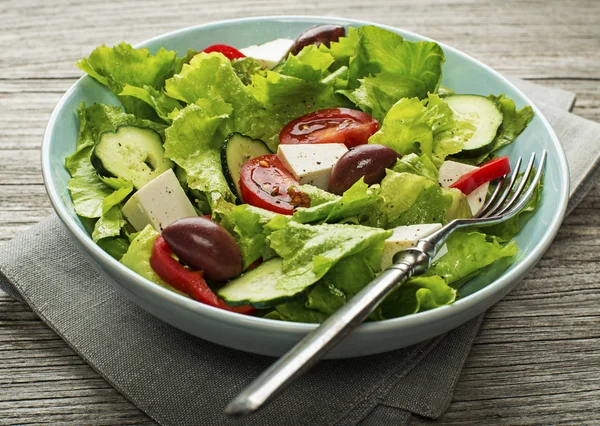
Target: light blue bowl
{"points": [[461, 73]]}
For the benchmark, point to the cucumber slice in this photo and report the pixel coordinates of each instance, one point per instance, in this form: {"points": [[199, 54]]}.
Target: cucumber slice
{"points": [[484, 115], [135, 154], [258, 287], [235, 151]]}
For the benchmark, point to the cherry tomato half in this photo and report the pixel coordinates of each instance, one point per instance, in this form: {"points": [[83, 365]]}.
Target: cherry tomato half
{"points": [[333, 125], [266, 183], [227, 51], [487, 172]]}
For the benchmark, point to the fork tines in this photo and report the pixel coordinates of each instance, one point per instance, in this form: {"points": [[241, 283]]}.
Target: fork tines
{"points": [[497, 205]]}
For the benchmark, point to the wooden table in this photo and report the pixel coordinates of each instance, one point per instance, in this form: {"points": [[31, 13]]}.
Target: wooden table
{"points": [[537, 357]]}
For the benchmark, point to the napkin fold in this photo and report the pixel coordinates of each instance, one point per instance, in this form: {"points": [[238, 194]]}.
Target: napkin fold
{"points": [[178, 379]]}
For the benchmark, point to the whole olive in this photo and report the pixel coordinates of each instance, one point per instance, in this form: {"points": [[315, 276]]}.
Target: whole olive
{"points": [[319, 34], [205, 245], [368, 161]]}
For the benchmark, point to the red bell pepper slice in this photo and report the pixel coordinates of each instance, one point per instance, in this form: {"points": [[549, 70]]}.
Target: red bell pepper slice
{"points": [[185, 280], [227, 51], [254, 264], [487, 172]]}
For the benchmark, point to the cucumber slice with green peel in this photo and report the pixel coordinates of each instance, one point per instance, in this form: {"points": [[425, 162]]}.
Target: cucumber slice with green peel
{"points": [[235, 151], [485, 117], [258, 287], [135, 154]]}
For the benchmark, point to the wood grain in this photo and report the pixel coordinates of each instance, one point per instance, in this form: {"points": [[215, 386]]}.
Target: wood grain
{"points": [[536, 358]]}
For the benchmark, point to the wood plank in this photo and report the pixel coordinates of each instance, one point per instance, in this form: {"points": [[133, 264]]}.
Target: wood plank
{"points": [[532, 39], [535, 359], [26, 110]]}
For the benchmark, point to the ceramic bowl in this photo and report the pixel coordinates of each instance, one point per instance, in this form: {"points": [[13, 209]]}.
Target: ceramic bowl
{"points": [[461, 73]]}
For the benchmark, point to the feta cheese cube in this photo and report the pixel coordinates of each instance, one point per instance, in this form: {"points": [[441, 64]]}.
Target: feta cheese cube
{"points": [[311, 163], [405, 237], [159, 203], [450, 171], [271, 53]]}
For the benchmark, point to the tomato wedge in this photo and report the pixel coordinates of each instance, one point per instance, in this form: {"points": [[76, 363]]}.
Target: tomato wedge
{"points": [[487, 172], [266, 183], [227, 51], [333, 125]]}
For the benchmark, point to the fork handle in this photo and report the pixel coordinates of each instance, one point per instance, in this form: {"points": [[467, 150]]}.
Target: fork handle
{"points": [[321, 340]]}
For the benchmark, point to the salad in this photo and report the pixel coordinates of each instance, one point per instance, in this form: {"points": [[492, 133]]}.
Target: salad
{"points": [[279, 179]]}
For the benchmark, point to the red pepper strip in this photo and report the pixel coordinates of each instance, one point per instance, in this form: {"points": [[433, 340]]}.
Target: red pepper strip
{"points": [[227, 51], [254, 264], [487, 172], [189, 282]]}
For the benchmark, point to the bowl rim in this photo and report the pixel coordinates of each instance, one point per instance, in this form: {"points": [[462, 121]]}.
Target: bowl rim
{"points": [[419, 319]]}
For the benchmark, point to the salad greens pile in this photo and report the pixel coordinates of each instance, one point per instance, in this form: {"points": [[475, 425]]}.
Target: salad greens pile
{"points": [[331, 249]]}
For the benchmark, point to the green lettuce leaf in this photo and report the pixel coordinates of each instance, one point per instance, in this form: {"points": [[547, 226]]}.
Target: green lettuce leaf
{"points": [[325, 297], [193, 142], [358, 199], [88, 193], [246, 67], [116, 246], [385, 68], [246, 223], [109, 225], [309, 252], [338, 79], [380, 50], [405, 129], [513, 121], [377, 94], [121, 65], [346, 278], [122, 189], [343, 49], [211, 76], [468, 252], [350, 274], [285, 98], [420, 165], [137, 257], [415, 126], [409, 199], [310, 64], [297, 311], [157, 99], [317, 195], [459, 209], [416, 295]]}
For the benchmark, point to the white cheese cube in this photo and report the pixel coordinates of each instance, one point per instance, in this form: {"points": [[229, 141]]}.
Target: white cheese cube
{"points": [[311, 163], [159, 203], [450, 171], [269, 54], [405, 237]]}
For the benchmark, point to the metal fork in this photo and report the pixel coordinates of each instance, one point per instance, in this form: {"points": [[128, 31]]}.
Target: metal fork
{"points": [[407, 263]]}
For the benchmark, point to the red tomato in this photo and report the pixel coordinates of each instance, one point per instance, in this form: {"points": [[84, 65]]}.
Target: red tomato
{"points": [[487, 172], [333, 125], [266, 183], [227, 51]]}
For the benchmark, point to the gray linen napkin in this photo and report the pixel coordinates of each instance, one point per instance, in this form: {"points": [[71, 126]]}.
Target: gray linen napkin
{"points": [[178, 379]]}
